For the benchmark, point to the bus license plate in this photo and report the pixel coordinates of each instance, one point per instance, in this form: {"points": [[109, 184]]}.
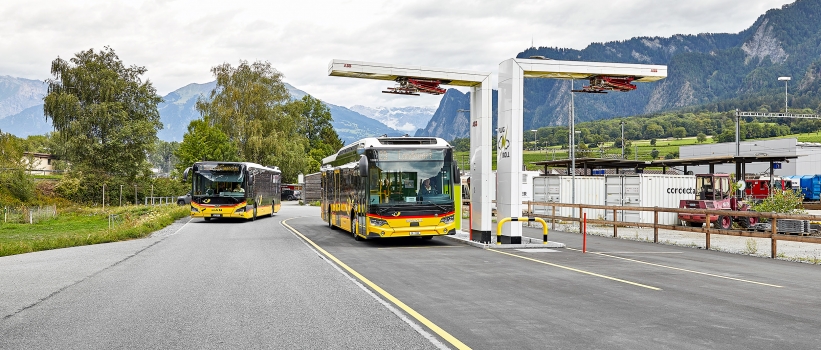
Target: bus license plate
{"points": [[415, 233], [216, 215]]}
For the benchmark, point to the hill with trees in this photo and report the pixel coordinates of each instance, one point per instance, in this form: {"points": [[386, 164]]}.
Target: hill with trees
{"points": [[706, 72]]}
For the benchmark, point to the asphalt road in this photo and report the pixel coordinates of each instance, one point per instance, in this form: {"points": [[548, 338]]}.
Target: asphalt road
{"points": [[212, 284], [261, 285]]}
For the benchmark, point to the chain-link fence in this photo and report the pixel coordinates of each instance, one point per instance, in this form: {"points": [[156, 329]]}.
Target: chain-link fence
{"points": [[28, 215]]}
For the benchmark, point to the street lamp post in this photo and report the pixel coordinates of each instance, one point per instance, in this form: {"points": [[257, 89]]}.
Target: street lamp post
{"points": [[785, 80], [534, 139], [572, 146], [622, 139]]}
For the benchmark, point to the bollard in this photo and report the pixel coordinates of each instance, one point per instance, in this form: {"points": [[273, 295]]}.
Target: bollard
{"points": [[584, 234], [499, 227]]}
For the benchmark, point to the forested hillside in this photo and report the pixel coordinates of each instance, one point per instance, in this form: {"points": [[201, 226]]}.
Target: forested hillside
{"points": [[719, 72], [706, 73]]}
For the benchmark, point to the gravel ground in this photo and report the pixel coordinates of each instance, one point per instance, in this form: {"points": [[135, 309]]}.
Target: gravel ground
{"points": [[790, 251]]}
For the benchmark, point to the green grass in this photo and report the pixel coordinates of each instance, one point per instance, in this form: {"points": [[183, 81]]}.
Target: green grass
{"points": [[84, 226], [664, 146]]}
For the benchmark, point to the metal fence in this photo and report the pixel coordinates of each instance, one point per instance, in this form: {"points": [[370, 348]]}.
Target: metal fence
{"points": [[28, 215], [160, 200]]}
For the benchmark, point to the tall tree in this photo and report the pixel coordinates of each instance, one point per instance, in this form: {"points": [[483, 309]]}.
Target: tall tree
{"points": [[13, 164], [105, 113], [203, 142], [315, 124], [251, 105]]}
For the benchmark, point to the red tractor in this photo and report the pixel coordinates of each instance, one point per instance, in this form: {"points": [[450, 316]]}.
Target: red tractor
{"points": [[713, 192]]}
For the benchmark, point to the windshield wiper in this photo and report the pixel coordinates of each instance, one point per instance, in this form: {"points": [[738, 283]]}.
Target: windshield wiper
{"points": [[437, 205], [383, 209]]}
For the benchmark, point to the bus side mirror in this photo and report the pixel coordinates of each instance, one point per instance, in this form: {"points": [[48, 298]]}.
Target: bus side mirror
{"points": [[185, 174], [363, 166]]}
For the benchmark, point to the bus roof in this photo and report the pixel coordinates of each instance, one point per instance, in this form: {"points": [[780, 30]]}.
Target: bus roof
{"points": [[389, 143], [247, 165]]}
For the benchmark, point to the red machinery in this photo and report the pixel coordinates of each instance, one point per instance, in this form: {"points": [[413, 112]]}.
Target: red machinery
{"points": [[758, 189], [713, 192], [413, 86], [601, 84]]}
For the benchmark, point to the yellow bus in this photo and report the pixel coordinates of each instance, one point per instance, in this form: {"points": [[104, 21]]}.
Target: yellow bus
{"points": [[233, 190], [391, 187]]}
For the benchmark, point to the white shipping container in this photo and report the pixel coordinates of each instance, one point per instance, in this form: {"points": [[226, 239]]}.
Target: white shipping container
{"points": [[648, 190], [558, 189]]}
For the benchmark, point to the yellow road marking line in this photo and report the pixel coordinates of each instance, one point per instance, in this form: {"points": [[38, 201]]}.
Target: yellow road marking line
{"points": [[577, 270], [685, 270], [422, 319], [444, 246]]}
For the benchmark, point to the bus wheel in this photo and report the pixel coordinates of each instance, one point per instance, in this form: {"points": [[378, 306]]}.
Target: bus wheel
{"points": [[255, 213], [207, 219], [329, 219], [353, 229]]}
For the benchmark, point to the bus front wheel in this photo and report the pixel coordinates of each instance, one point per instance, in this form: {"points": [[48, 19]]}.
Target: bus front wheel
{"points": [[353, 229]]}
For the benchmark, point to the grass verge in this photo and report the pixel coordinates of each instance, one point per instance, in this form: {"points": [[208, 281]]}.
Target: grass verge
{"points": [[78, 226]]}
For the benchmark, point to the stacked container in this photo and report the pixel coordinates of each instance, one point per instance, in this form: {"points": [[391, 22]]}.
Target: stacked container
{"points": [[647, 190], [559, 189]]}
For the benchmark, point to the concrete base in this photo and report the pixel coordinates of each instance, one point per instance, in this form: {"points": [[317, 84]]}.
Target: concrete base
{"points": [[527, 242], [511, 239], [481, 236]]}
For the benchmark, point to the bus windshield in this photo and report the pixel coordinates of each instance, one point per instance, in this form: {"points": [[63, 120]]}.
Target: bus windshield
{"points": [[410, 176], [219, 183]]}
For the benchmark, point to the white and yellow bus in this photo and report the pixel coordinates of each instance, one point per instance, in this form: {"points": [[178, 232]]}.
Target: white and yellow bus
{"points": [[391, 187], [233, 190]]}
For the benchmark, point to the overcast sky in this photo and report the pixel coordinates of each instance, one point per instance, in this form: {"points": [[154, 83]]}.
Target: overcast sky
{"points": [[179, 41]]}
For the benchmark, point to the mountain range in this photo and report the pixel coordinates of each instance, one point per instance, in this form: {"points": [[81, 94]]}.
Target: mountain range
{"points": [[21, 111], [716, 72], [403, 119], [707, 71]]}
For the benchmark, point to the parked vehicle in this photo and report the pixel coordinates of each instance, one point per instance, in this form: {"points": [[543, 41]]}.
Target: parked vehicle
{"points": [[758, 189], [184, 199], [713, 192], [289, 195], [809, 185]]}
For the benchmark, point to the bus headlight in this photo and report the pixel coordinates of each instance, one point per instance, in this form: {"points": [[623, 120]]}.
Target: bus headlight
{"points": [[194, 210], [378, 222], [447, 219], [240, 210]]}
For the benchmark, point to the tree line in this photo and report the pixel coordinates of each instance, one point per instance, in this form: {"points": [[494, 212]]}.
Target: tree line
{"points": [[106, 120], [719, 125]]}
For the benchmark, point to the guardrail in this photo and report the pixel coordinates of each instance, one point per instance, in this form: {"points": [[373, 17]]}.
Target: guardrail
{"points": [[499, 227], [773, 235]]}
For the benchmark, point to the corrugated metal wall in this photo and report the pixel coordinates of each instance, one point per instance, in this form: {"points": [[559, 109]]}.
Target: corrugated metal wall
{"points": [[558, 189], [648, 190], [311, 192]]}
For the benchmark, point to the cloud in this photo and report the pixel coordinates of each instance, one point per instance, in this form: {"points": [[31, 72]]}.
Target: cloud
{"points": [[179, 41]]}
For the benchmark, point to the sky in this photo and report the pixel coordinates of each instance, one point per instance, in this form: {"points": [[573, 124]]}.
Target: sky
{"points": [[179, 41]]}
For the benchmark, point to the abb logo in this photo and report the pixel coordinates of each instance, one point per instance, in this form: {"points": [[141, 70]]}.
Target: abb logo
{"points": [[475, 123], [346, 65], [653, 70]]}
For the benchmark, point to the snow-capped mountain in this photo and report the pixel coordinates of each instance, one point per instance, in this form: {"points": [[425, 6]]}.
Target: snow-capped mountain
{"points": [[404, 119]]}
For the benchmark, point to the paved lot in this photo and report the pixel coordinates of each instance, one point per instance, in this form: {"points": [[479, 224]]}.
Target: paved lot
{"points": [[291, 282]]}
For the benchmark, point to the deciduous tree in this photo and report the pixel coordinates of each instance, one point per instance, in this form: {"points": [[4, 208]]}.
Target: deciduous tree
{"points": [[105, 113], [203, 142]]}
